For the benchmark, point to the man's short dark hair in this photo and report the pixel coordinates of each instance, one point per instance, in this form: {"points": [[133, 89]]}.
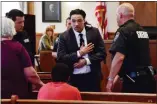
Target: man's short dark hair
{"points": [[68, 18], [14, 13], [78, 11], [60, 73]]}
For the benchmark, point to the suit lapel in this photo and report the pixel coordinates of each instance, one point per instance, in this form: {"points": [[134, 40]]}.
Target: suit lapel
{"points": [[73, 40], [88, 35]]}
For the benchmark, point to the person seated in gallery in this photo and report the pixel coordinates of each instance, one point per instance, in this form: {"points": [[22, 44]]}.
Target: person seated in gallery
{"points": [[46, 41], [16, 67], [59, 89], [68, 26]]}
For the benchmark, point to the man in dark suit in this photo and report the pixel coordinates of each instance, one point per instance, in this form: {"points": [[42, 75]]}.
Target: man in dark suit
{"points": [[82, 49]]}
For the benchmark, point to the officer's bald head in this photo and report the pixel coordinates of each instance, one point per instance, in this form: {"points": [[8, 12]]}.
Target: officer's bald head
{"points": [[126, 9], [125, 12]]}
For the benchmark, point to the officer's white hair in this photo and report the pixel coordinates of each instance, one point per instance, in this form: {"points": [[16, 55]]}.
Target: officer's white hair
{"points": [[7, 27], [126, 9]]}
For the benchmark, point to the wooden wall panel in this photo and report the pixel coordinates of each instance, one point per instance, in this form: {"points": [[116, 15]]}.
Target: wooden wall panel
{"points": [[38, 36], [145, 12], [30, 7], [47, 61], [153, 52]]}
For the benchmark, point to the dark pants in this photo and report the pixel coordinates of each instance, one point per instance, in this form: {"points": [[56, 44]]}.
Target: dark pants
{"points": [[142, 84], [86, 82]]}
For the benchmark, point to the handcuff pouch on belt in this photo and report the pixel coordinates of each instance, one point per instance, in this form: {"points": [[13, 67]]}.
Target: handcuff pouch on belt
{"points": [[141, 71]]}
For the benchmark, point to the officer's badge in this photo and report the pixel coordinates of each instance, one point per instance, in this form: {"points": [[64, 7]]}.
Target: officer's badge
{"points": [[26, 40], [117, 35]]}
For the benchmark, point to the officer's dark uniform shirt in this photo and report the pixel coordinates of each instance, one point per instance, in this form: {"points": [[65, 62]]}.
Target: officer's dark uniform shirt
{"points": [[133, 42], [23, 38]]}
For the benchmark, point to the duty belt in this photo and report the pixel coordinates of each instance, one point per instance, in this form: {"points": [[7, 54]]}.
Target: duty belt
{"points": [[132, 75]]}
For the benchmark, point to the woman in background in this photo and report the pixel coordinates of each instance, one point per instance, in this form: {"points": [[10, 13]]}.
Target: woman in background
{"points": [[46, 41], [16, 66]]}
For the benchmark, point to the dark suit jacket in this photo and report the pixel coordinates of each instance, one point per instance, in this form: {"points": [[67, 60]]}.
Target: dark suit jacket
{"points": [[67, 48]]}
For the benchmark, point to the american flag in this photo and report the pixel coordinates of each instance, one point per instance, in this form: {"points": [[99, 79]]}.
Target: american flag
{"points": [[100, 13]]}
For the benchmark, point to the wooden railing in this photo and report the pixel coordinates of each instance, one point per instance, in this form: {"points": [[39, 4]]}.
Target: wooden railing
{"points": [[119, 97], [15, 100]]}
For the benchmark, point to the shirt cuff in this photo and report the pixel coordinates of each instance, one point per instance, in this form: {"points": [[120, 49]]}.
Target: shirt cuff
{"points": [[88, 61], [78, 54]]}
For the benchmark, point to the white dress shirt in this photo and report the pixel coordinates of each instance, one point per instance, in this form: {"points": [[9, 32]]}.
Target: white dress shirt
{"points": [[86, 68]]}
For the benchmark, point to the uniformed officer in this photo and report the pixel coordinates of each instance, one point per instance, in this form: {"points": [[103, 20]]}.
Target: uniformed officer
{"points": [[18, 17], [131, 57]]}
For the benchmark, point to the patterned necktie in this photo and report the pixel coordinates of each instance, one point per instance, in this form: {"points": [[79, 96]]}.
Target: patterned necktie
{"points": [[81, 40]]}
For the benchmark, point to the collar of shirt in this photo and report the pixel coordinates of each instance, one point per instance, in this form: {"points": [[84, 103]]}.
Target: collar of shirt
{"points": [[77, 33], [131, 20], [78, 37]]}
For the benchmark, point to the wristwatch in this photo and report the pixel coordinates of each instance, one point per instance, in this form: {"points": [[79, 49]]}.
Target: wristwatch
{"points": [[110, 79]]}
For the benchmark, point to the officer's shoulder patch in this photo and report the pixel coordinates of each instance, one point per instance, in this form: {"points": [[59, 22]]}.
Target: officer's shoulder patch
{"points": [[117, 35], [142, 34], [26, 40]]}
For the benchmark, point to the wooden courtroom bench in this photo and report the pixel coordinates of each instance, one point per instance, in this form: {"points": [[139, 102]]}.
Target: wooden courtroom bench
{"points": [[15, 100], [45, 76], [7, 101], [119, 97], [47, 61]]}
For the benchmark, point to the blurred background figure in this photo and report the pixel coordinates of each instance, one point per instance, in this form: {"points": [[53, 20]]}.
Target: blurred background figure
{"points": [[68, 26], [46, 41], [68, 23]]}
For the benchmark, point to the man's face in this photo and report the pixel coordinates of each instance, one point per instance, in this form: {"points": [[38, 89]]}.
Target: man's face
{"points": [[118, 19], [77, 22], [68, 24], [19, 24]]}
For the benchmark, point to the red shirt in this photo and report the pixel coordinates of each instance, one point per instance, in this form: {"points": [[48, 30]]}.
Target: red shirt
{"points": [[58, 91], [14, 58]]}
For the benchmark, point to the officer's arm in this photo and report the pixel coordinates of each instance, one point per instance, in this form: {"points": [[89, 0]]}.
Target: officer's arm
{"points": [[116, 64]]}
